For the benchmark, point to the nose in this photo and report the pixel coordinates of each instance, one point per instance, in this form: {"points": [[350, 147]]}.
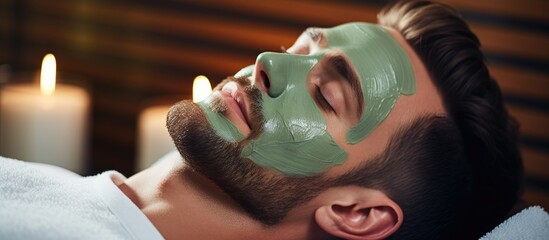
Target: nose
{"points": [[269, 75], [277, 72]]}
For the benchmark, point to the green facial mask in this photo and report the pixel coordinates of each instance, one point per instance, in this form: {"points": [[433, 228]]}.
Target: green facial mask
{"points": [[222, 126], [383, 67], [295, 141]]}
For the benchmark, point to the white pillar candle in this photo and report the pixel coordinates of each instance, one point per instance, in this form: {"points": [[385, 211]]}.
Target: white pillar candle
{"points": [[46, 127], [153, 138]]}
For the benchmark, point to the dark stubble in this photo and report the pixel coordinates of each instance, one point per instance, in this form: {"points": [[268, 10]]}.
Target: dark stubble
{"points": [[267, 196]]}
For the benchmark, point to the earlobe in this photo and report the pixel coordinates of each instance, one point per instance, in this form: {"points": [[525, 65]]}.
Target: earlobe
{"points": [[360, 219]]}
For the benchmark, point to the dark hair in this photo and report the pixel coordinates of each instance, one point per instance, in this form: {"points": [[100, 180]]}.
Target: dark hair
{"points": [[473, 101], [423, 169]]}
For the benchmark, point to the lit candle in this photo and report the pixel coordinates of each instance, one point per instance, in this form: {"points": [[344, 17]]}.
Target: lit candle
{"points": [[46, 124], [154, 141], [201, 88]]}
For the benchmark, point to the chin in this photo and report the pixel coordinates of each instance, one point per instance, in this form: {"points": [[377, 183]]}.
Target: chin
{"points": [[193, 136]]}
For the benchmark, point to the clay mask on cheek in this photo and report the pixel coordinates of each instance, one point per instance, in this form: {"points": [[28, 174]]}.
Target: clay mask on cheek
{"points": [[294, 140], [383, 67], [221, 125]]}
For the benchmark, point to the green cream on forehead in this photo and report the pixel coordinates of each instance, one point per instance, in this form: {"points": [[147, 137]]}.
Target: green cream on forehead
{"points": [[383, 67], [295, 141]]}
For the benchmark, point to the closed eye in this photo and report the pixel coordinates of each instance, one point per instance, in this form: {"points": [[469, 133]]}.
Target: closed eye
{"points": [[321, 100], [344, 69]]}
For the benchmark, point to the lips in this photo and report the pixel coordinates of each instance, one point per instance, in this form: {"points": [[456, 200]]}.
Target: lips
{"points": [[235, 100]]}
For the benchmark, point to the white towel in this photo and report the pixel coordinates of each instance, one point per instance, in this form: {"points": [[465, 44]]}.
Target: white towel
{"points": [[529, 224], [39, 201]]}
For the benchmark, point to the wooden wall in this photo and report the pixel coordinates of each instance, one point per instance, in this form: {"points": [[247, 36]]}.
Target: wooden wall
{"points": [[129, 53]]}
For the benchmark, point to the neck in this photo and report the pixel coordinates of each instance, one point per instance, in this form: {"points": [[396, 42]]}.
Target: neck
{"points": [[182, 203]]}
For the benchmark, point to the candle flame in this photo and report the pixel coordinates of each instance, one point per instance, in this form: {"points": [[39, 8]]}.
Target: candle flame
{"points": [[201, 88], [47, 75]]}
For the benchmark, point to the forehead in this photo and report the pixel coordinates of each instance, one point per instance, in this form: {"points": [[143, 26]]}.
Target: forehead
{"points": [[353, 35], [383, 67]]}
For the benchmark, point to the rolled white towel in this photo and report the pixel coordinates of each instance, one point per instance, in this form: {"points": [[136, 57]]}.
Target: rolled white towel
{"points": [[529, 224]]}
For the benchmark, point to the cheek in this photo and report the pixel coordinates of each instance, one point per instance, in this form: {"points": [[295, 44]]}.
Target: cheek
{"points": [[337, 130]]}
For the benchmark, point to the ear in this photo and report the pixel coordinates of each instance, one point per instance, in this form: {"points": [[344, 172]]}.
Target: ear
{"points": [[369, 214]]}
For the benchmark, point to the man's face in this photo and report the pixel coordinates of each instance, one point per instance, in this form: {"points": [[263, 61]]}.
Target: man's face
{"points": [[280, 132], [329, 74]]}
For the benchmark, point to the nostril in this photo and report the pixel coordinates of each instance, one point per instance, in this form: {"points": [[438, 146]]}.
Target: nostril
{"points": [[266, 81]]}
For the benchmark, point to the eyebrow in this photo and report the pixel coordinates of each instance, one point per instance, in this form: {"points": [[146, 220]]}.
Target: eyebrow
{"points": [[341, 64]]}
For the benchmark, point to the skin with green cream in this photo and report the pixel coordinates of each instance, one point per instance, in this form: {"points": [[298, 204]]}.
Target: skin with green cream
{"points": [[222, 126], [383, 67], [295, 141]]}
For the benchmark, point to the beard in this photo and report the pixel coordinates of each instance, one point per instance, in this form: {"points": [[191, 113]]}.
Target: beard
{"points": [[265, 195]]}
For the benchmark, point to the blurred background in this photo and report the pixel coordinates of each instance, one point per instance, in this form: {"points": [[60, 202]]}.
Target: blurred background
{"points": [[131, 55]]}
